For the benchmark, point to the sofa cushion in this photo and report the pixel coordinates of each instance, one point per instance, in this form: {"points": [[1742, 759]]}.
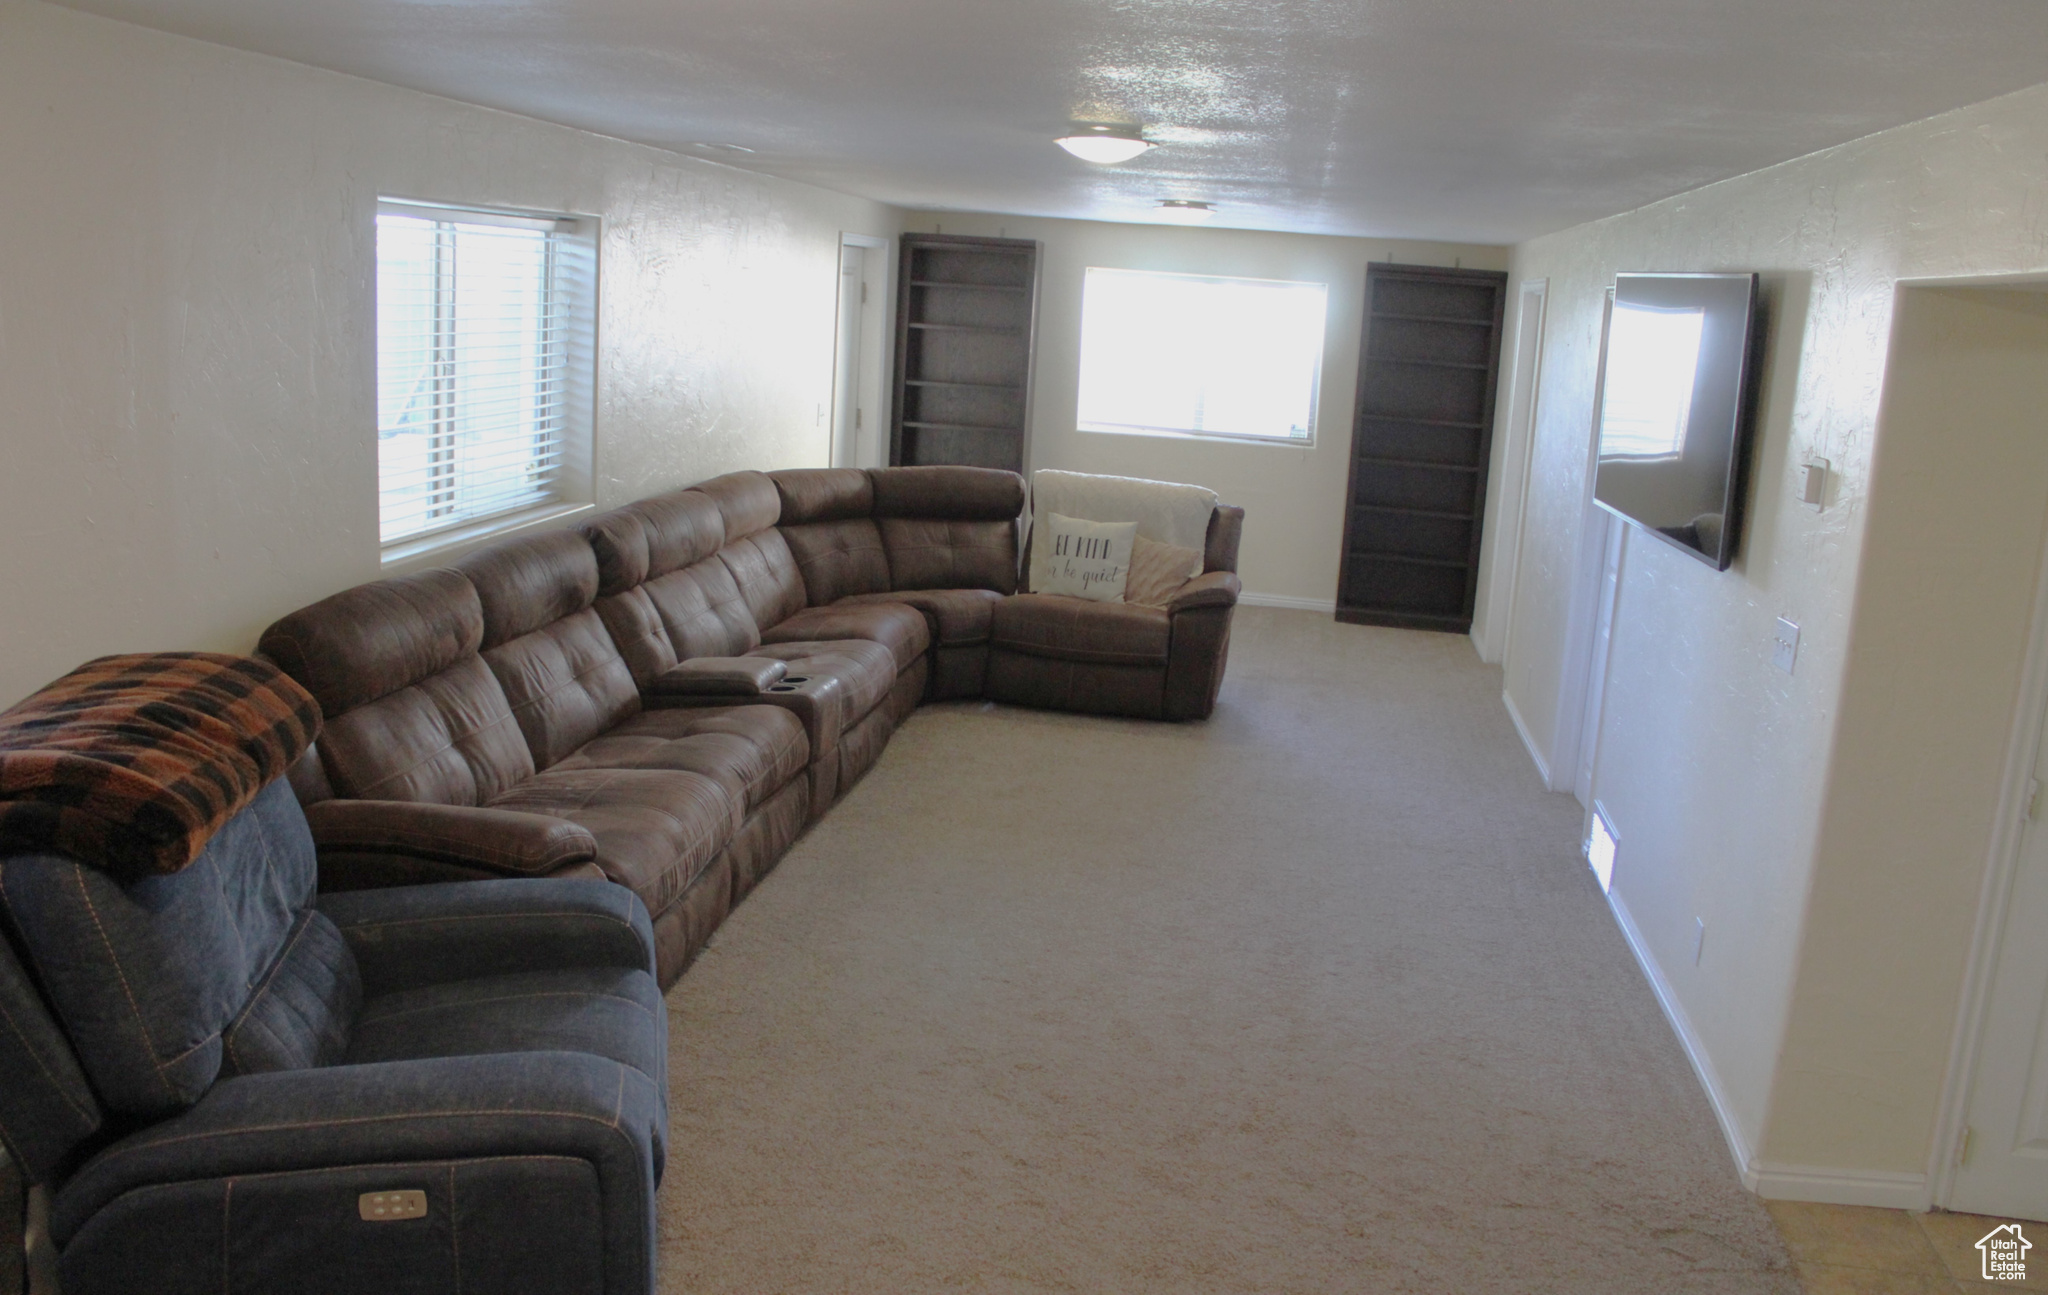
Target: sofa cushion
{"points": [[1075, 629], [823, 494], [147, 976], [372, 640], [839, 558], [655, 828], [747, 501], [618, 541], [951, 493], [954, 617], [751, 750], [702, 611], [450, 738], [927, 553], [560, 670], [768, 579], [680, 528], [635, 626], [528, 584], [895, 626]]}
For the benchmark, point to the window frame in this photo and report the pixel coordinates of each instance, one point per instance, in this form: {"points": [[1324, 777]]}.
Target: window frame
{"points": [[573, 269], [1315, 402]]}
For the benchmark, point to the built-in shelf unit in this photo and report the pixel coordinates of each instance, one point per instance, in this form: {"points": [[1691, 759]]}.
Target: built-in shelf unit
{"points": [[966, 312]]}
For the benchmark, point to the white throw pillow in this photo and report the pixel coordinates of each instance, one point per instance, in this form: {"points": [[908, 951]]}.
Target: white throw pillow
{"points": [[1086, 559]]}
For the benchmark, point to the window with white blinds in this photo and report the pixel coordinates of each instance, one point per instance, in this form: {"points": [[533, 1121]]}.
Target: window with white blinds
{"points": [[484, 350]]}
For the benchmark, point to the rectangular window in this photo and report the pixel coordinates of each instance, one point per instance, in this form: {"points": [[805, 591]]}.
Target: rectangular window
{"points": [[485, 355], [1193, 355]]}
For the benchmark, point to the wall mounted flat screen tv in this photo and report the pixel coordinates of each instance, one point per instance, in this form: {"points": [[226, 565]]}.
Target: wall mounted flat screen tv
{"points": [[1678, 408]]}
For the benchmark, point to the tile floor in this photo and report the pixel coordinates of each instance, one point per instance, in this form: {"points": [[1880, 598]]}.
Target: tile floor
{"points": [[1850, 1250]]}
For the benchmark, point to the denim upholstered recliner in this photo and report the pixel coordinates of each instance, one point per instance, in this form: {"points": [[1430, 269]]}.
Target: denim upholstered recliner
{"points": [[231, 1085]]}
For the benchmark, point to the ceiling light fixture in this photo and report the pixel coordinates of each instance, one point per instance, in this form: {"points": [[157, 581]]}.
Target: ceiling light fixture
{"points": [[1104, 144], [1184, 211]]}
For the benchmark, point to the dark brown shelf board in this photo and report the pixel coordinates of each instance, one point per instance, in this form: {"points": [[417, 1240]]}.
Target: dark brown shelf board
{"points": [[976, 287], [970, 328], [1415, 512], [1428, 364], [1370, 555], [965, 427], [1404, 620], [1412, 463], [1431, 319], [970, 386], [1420, 422]]}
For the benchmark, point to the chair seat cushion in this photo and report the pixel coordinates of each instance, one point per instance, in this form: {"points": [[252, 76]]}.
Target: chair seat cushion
{"points": [[955, 617], [895, 626], [656, 829], [752, 750], [612, 1012], [1075, 629]]}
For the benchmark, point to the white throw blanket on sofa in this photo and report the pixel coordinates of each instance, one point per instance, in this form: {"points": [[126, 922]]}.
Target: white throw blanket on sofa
{"points": [[1166, 512]]}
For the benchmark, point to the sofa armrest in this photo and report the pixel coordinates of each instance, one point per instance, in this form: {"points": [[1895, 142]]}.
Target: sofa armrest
{"points": [[1210, 589], [719, 676], [409, 936], [504, 841], [342, 1119]]}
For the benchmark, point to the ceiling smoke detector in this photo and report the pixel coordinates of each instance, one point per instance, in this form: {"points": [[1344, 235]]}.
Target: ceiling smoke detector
{"points": [[1184, 211], [1104, 144]]}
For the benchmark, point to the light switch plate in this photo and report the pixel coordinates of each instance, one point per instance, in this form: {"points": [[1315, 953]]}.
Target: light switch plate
{"points": [[1813, 483], [1785, 647]]}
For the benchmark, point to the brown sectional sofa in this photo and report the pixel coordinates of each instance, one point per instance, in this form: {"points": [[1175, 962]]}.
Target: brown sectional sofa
{"points": [[667, 695]]}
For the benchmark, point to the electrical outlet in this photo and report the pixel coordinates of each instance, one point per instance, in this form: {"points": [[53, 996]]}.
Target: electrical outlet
{"points": [[1785, 647], [1699, 939]]}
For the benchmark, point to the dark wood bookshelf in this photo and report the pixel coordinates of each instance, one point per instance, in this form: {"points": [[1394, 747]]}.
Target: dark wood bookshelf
{"points": [[966, 316], [1422, 432]]}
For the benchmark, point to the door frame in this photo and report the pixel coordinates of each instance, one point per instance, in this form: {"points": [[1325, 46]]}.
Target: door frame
{"points": [[1575, 681], [871, 361], [1518, 451], [1987, 936]]}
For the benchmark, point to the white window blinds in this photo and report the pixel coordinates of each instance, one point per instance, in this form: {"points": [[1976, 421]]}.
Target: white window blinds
{"points": [[477, 322], [1195, 355]]}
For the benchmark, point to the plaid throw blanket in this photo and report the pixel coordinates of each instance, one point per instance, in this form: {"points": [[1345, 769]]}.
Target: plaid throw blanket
{"points": [[131, 763]]}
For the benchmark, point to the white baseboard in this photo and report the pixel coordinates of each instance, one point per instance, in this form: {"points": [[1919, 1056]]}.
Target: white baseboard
{"points": [[1688, 1038], [1838, 1186], [1288, 601], [1542, 765], [1771, 1181]]}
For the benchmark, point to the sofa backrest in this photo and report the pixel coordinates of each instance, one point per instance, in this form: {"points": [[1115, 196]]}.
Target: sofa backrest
{"points": [[565, 679], [949, 527], [412, 711], [828, 522], [163, 985]]}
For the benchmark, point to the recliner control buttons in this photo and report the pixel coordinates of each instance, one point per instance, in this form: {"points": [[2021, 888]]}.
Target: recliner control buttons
{"points": [[389, 1207]]}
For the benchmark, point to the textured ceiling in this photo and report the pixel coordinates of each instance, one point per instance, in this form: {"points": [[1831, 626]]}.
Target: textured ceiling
{"points": [[1450, 119]]}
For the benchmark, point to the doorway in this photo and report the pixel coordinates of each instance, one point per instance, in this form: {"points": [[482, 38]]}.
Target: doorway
{"points": [[1978, 360], [857, 359]]}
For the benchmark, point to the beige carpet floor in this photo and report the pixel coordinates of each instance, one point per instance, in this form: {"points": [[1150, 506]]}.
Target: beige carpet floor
{"points": [[1314, 997]]}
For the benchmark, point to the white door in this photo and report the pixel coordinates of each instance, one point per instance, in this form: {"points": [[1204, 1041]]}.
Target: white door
{"points": [[849, 417], [2004, 1165]]}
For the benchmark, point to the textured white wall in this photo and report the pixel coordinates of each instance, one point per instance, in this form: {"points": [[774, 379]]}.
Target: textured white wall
{"points": [[1715, 766], [187, 439], [1293, 497]]}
